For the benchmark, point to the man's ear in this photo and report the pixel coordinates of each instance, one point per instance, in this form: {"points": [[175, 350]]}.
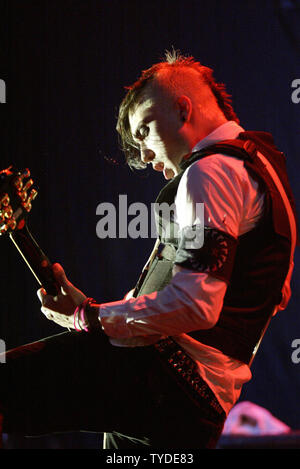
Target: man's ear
{"points": [[185, 108]]}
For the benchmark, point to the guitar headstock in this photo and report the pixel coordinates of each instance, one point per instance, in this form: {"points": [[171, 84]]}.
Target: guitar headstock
{"points": [[16, 195]]}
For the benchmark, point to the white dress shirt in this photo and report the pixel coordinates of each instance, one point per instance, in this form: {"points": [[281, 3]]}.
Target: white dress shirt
{"points": [[193, 300]]}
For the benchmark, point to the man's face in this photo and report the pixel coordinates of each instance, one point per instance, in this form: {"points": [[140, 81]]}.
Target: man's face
{"points": [[155, 126]]}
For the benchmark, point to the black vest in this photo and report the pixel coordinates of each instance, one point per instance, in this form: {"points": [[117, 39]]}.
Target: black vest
{"points": [[262, 255]]}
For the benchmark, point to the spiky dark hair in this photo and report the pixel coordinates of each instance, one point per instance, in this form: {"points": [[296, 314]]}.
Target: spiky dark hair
{"points": [[173, 60]]}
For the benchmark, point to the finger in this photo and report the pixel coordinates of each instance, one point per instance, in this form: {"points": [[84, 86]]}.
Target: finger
{"points": [[60, 277], [41, 293], [46, 313]]}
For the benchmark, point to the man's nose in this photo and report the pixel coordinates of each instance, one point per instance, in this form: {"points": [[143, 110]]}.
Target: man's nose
{"points": [[147, 155]]}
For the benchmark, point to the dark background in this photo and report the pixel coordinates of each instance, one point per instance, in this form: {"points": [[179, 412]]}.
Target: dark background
{"points": [[65, 64]]}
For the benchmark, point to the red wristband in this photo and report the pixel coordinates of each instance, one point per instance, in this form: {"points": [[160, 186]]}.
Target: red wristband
{"points": [[86, 316], [76, 321]]}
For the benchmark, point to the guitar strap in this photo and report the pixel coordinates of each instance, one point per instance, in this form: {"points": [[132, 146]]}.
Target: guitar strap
{"points": [[286, 289], [146, 267]]}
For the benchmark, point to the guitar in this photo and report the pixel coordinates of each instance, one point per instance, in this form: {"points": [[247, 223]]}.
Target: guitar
{"points": [[16, 196]]}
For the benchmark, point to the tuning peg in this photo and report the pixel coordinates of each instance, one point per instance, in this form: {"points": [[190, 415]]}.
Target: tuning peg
{"points": [[27, 205], [8, 212], [12, 223], [18, 181], [3, 228], [7, 221], [28, 185], [23, 193], [4, 201], [9, 225]]}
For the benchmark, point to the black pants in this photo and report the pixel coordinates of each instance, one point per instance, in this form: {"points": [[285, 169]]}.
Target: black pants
{"points": [[77, 381]]}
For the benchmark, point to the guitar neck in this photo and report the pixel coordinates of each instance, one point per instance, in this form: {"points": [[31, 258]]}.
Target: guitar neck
{"points": [[36, 260]]}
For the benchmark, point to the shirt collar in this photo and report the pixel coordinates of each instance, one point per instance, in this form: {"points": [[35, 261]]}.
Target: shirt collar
{"points": [[227, 131]]}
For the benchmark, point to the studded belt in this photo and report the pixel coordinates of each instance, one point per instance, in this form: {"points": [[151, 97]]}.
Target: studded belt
{"points": [[186, 373]]}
